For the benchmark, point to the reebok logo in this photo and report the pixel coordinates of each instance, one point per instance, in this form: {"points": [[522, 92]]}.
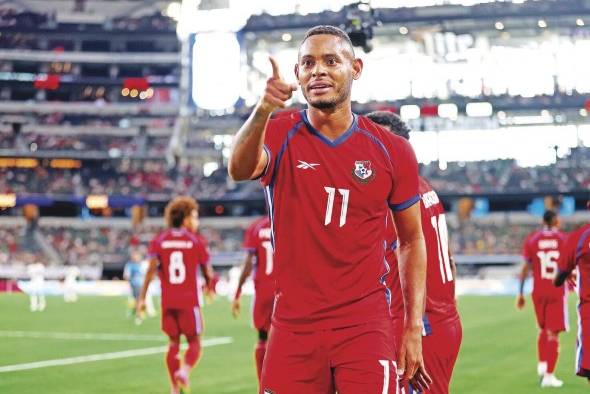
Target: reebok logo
{"points": [[305, 165]]}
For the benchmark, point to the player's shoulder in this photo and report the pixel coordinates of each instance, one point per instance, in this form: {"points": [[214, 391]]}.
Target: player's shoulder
{"points": [[160, 236], [380, 133], [283, 122]]}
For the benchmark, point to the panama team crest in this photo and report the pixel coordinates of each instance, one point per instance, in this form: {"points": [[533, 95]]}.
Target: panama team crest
{"points": [[363, 171]]}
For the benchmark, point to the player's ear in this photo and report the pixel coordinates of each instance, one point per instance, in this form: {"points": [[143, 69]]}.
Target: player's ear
{"points": [[296, 70], [357, 68]]}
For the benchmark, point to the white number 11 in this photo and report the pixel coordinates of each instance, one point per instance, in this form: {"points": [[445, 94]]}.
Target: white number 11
{"points": [[330, 205]]}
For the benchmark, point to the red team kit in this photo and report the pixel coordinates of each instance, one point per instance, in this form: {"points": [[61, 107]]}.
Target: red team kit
{"points": [[577, 255], [442, 326], [328, 202]]}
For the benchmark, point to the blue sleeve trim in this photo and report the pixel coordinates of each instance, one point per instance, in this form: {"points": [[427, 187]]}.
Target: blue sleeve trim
{"points": [[406, 204], [263, 173], [393, 245]]}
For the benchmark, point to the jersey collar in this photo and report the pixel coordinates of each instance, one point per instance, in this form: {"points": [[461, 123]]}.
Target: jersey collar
{"points": [[343, 137]]}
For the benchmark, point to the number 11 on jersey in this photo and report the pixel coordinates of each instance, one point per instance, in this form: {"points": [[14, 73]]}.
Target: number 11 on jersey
{"points": [[330, 205]]}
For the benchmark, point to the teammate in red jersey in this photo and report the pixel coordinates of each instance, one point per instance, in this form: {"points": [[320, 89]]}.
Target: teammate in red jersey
{"points": [[576, 253], [330, 177], [541, 253], [260, 260], [442, 325], [177, 252]]}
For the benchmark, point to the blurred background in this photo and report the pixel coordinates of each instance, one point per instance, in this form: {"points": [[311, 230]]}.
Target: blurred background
{"points": [[108, 109]]}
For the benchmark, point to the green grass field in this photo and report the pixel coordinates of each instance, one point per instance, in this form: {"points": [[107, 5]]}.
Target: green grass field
{"points": [[497, 356]]}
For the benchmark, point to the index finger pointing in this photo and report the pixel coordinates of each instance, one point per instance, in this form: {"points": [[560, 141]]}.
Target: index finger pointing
{"points": [[275, 68]]}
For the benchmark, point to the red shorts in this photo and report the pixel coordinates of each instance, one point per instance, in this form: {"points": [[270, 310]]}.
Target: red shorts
{"points": [[187, 322], [583, 346], [551, 313], [352, 360], [263, 305], [440, 349]]}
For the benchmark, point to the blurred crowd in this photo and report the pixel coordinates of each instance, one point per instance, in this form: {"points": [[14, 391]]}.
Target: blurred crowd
{"points": [[155, 178], [571, 173], [108, 245]]}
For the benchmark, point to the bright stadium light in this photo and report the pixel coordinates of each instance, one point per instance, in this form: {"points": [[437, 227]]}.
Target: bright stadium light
{"points": [[479, 109], [448, 110], [409, 112], [173, 10], [580, 22], [216, 71], [499, 25], [209, 168]]}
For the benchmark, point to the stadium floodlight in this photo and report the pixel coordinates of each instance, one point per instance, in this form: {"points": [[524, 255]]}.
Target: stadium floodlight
{"points": [[481, 109], [580, 22], [216, 73], [499, 25], [409, 112], [174, 10], [448, 110], [7, 200], [209, 168]]}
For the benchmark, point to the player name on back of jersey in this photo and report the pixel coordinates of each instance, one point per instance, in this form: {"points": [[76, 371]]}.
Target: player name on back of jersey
{"points": [[177, 244], [548, 244], [429, 199]]}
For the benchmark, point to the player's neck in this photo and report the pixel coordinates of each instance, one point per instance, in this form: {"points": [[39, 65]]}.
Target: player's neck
{"points": [[331, 123]]}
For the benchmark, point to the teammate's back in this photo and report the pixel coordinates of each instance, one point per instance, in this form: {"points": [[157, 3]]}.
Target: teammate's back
{"points": [[179, 252], [542, 250]]}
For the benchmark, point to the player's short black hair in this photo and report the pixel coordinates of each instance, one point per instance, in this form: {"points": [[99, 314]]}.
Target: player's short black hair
{"points": [[549, 217], [391, 121], [330, 30]]}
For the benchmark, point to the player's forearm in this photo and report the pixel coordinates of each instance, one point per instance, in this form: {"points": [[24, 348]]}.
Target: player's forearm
{"points": [[246, 271], [524, 273], [146, 283], [412, 267], [561, 277], [247, 145]]}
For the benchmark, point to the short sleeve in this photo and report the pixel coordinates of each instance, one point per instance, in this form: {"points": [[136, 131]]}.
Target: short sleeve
{"points": [[154, 249], [405, 175], [203, 251], [526, 250], [278, 133], [567, 261], [249, 239]]}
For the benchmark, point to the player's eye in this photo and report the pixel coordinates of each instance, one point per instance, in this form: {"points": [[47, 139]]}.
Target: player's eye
{"points": [[331, 61], [307, 63]]}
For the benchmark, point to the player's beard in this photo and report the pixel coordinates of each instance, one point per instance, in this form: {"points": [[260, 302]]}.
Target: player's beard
{"points": [[341, 95]]}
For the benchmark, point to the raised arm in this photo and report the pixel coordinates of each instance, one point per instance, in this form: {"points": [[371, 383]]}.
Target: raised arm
{"points": [[248, 158]]}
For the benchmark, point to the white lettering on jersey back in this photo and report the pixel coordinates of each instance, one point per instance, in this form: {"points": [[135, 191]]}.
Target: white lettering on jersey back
{"points": [[548, 244], [264, 233], [429, 199], [177, 244]]}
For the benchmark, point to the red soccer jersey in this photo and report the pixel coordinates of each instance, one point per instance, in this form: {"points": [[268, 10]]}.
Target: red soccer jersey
{"points": [[179, 252], [328, 203], [542, 250], [257, 241], [576, 253], [440, 282]]}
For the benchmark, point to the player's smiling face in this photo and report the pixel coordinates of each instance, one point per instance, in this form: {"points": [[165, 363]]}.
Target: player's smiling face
{"points": [[325, 70]]}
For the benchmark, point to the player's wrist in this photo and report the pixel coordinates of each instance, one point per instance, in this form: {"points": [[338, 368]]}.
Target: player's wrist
{"points": [[265, 108], [238, 294]]}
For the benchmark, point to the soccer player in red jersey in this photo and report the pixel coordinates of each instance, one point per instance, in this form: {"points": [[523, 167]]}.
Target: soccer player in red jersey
{"points": [[260, 260], [332, 179], [577, 254], [542, 250], [442, 326], [177, 252]]}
